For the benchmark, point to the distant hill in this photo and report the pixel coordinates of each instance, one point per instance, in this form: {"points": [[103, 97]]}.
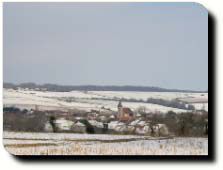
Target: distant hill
{"points": [[67, 88]]}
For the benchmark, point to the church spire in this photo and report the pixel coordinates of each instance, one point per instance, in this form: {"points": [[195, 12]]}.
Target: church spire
{"points": [[119, 104]]}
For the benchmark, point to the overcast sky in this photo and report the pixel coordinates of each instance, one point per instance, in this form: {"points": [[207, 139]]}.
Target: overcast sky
{"points": [[148, 44]]}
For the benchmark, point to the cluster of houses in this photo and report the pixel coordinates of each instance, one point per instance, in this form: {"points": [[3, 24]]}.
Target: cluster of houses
{"points": [[105, 121]]}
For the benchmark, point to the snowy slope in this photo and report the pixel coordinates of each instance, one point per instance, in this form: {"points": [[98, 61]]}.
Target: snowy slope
{"points": [[83, 100]]}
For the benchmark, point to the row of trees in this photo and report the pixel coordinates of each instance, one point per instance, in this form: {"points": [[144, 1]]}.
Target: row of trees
{"points": [[65, 88], [171, 103], [14, 110], [180, 124], [16, 121]]}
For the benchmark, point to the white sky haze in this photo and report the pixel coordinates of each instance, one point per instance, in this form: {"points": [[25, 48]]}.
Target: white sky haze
{"points": [[147, 44]]}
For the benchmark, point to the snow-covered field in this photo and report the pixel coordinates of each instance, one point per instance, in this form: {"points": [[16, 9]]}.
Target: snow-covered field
{"points": [[86, 100], [84, 144]]}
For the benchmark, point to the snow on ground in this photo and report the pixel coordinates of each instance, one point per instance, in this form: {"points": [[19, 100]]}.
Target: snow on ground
{"points": [[83, 100], [31, 99], [145, 95], [85, 144], [200, 106], [63, 136], [118, 94]]}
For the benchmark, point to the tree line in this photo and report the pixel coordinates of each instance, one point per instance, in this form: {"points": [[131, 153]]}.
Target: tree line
{"points": [[67, 88]]}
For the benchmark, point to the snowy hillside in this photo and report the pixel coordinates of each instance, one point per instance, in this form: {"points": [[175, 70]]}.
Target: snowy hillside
{"points": [[85, 100]]}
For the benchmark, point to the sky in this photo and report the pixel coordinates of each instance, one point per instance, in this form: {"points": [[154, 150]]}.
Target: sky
{"points": [[144, 44]]}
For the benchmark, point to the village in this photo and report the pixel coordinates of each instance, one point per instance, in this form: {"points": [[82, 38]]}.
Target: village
{"points": [[102, 121], [105, 121]]}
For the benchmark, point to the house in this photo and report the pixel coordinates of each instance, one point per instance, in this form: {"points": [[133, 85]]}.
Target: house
{"points": [[105, 111], [160, 130], [124, 113], [48, 127], [62, 124], [79, 127], [92, 116], [143, 130]]}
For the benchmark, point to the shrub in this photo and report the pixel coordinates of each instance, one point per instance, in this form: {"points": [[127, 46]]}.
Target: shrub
{"points": [[89, 127]]}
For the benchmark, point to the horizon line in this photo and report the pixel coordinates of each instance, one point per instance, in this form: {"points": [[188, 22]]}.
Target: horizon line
{"points": [[143, 86]]}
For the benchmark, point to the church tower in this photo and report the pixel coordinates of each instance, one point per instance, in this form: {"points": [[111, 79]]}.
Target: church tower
{"points": [[119, 109]]}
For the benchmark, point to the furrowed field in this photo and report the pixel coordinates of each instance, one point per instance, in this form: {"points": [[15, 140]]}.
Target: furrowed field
{"points": [[19, 143]]}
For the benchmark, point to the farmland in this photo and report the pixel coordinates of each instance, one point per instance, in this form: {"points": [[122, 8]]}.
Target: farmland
{"points": [[86, 123], [87, 100], [82, 144]]}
